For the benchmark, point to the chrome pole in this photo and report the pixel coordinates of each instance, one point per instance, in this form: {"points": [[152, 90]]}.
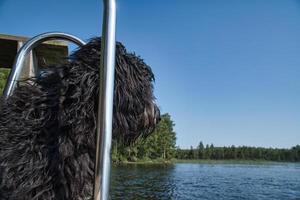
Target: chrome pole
{"points": [[105, 107], [26, 48]]}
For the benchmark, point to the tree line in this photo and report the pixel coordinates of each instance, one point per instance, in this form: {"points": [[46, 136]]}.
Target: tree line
{"points": [[211, 152], [161, 145]]}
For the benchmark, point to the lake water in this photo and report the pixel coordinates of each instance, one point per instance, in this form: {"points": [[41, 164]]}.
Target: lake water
{"points": [[206, 181]]}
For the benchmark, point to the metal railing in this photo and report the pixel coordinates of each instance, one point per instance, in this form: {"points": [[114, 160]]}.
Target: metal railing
{"points": [[25, 50], [105, 106]]}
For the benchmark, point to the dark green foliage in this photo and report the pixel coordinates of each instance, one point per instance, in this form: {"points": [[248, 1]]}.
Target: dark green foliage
{"points": [[242, 153], [159, 145], [3, 77], [201, 150]]}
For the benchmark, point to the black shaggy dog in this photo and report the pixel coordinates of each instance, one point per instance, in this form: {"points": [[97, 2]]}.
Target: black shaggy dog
{"points": [[47, 127]]}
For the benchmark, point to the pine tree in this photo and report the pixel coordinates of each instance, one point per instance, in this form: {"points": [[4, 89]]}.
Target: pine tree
{"points": [[201, 150]]}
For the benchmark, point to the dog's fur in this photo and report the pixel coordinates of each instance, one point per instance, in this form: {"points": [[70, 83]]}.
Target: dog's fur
{"points": [[47, 127]]}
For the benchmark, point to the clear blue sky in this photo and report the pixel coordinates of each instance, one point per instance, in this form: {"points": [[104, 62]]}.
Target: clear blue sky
{"points": [[228, 72]]}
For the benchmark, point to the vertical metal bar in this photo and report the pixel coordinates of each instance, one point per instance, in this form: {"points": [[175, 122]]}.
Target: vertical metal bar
{"points": [[105, 107]]}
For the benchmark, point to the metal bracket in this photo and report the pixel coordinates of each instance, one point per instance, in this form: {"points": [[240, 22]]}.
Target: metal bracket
{"points": [[26, 48]]}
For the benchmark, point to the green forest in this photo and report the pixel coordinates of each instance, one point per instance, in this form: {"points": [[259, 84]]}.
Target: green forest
{"points": [[160, 146], [209, 152]]}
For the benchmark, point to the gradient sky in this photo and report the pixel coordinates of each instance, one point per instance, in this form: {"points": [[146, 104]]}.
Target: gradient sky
{"points": [[228, 72]]}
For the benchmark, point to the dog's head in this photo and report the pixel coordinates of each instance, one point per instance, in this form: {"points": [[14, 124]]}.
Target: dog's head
{"points": [[135, 111]]}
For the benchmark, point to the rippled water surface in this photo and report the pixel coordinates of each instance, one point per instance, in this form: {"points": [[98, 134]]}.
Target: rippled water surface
{"points": [[204, 181]]}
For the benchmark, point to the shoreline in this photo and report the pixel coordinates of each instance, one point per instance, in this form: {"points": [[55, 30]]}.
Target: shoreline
{"points": [[245, 162], [195, 161]]}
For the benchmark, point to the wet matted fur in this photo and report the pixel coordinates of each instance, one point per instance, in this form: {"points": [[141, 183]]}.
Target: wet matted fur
{"points": [[47, 127]]}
